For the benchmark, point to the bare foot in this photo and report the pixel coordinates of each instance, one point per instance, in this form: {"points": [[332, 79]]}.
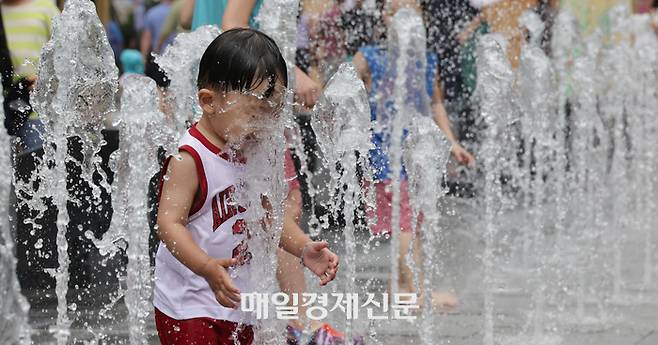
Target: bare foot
{"points": [[441, 301], [444, 300]]}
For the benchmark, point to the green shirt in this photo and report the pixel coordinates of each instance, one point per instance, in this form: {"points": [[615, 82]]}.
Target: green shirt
{"points": [[211, 12], [28, 28]]}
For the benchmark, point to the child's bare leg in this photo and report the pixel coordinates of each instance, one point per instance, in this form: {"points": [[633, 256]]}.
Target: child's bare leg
{"points": [[405, 276], [440, 299], [290, 275], [290, 272]]}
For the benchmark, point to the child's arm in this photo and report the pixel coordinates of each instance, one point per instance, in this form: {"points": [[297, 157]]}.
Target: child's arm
{"points": [[470, 28], [177, 196], [145, 44], [315, 255], [186, 14], [441, 118], [168, 27], [237, 13]]}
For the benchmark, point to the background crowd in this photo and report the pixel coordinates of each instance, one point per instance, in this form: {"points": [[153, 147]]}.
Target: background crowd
{"points": [[328, 33]]}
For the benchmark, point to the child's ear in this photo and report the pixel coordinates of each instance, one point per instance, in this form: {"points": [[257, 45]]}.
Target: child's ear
{"points": [[206, 100]]}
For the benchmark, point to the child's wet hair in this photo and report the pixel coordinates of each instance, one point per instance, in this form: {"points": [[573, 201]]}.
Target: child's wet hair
{"points": [[240, 60]]}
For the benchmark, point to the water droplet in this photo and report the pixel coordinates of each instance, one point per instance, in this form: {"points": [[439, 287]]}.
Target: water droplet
{"points": [[39, 244], [73, 306], [176, 328]]}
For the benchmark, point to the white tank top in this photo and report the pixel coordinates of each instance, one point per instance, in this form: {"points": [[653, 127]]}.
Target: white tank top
{"points": [[216, 226]]}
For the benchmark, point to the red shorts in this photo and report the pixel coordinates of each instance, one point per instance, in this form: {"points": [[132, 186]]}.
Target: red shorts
{"points": [[200, 331], [384, 209]]}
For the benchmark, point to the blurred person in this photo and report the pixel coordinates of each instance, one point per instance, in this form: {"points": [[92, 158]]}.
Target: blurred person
{"points": [[213, 12], [358, 24], [592, 14], [187, 14], [304, 58], [493, 16], [654, 23], [153, 24], [548, 11], [172, 25], [444, 18], [329, 43], [642, 6], [27, 26], [229, 14], [502, 16], [371, 63], [115, 36], [132, 62], [139, 11]]}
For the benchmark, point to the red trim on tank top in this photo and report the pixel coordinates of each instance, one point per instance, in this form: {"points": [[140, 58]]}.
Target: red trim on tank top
{"points": [[201, 138], [212, 147], [203, 183]]}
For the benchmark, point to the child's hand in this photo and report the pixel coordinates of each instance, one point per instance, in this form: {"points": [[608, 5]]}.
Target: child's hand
{"points": [[221, 284], [321, 261], [462, 156], [307, 91]]}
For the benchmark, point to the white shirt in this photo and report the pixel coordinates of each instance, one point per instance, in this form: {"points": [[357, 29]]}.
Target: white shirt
{"points": [[216, 226]]}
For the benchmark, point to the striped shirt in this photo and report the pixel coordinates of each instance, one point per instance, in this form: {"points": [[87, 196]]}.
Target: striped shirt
{"points": [[28, 28]]}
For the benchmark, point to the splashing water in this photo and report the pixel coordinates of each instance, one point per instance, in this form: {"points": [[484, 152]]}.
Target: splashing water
{"points": [[14, 328], [142, 132], [262, 189], [494, 88], [644, 103], [396, 107], [425, 153], [567, 156], [540, 133], [73, 96], [341, 121], [180, 62]]}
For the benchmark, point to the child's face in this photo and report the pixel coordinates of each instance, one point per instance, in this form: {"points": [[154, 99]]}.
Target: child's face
{"points": [[241, 117]]}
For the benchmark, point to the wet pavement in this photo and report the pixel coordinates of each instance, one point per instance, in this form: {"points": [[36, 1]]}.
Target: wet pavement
{"points": [[630, 318]]}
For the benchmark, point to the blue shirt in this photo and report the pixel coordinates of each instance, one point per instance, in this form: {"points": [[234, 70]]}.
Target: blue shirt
{"points": [[377, 59], [211, 12], [154, 20]]}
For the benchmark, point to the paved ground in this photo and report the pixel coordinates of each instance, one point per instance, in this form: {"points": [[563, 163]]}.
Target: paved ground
{"points": [[630, 318]]}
